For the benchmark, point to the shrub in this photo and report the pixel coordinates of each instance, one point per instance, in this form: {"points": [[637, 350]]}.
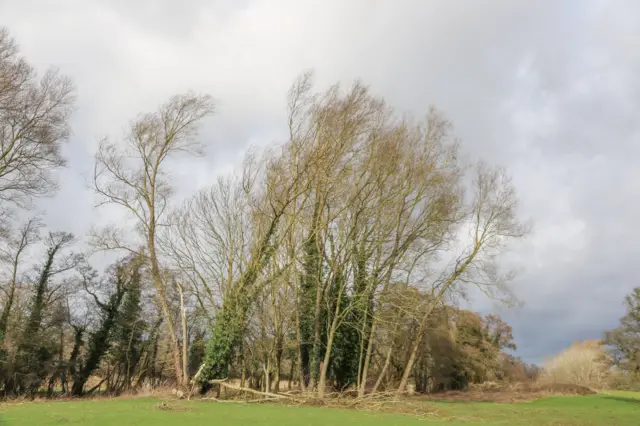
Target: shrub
{"points": [[584, 364]]}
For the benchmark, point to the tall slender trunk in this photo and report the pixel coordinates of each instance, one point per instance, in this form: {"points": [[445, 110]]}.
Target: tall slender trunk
{"points": [[164, 306], [327, 355], [324, 366], [414, 348], [317, 344], [278, 366], [385, 367], [362, 290], [365, 369], [301, 378], [387, 360], [4, 319], [459, 270], [185, 338], [6, 312], [266, 367]]}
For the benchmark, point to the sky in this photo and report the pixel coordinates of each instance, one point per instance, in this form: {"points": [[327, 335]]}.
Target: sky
{"points": [[549, 89]]}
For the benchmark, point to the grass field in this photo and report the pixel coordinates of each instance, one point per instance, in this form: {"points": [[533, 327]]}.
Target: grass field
{"points": [[610, 409]]}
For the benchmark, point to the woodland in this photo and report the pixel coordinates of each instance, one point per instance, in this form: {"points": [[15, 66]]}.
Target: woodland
{"points": [[334, 261]]}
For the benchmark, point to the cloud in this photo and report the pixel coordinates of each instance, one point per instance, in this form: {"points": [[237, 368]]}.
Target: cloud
{"points": [[548, 90]]}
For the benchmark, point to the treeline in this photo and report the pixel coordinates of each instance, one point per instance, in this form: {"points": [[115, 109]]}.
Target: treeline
{"points": [[332, 261]]}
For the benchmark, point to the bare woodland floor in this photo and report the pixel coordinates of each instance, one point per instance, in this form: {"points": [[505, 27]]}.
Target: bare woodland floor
{"points": [[606, 409]]}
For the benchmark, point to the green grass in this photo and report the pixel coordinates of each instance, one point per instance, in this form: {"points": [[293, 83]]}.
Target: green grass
{"points": [[623, 394], [611, 409]]}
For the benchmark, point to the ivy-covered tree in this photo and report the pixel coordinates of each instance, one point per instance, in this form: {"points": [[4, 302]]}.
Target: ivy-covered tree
{"points": [[126, 275], [127, 343], [36, 346]]}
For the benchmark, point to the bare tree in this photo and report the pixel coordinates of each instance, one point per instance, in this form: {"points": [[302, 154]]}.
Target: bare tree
{"points": [[34, 122], [135, 177], [11, 255], [207, 240], [491, 222]]}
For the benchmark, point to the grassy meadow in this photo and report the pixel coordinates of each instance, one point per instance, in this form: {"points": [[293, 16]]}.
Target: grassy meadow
{"points": [[610, 409]]}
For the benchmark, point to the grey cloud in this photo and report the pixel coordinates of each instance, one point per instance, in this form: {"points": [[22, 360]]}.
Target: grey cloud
{"points": [[548, 89]]}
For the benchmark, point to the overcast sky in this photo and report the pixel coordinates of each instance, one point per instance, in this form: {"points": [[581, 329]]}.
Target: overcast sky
{"points": [[549, 89]]}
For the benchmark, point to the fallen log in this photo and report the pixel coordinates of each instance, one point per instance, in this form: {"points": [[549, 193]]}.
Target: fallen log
{"points": [[252, 391]]}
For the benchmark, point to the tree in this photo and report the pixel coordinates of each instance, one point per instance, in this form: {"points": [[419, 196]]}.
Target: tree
{"points": [[583, 363], [380, 192], [12, 255], [125, 277], [624, 341], [302, 249], [335, 126], [223, 240], [135, 177], [499, 332], [491, 220], [478, 354], [35, 347], [266, 211], [34, 123], [128, 346]]}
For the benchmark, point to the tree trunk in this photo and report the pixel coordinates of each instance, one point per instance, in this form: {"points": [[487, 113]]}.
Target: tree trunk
{"points": [[276, 373], [243, 376], [164, 307], [423, 322], [303, 385], [267, 385], [414, 349], [324, 366], [387, 361], [315, 351], [365, 370], [291, 373], [185, 338], [4, 319]]}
